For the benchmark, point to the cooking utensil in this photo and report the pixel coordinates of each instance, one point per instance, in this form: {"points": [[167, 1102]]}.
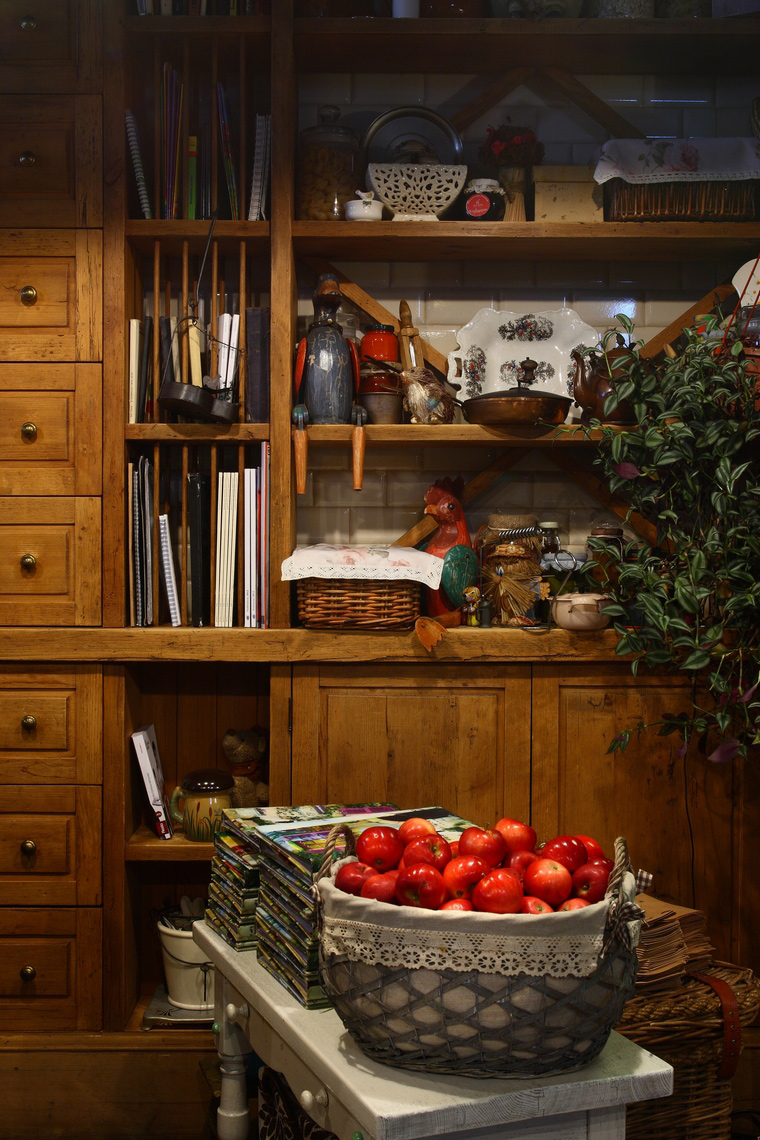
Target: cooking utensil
{"points": [[519, 405]]}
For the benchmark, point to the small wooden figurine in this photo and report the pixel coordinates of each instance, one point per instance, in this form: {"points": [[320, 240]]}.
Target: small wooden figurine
{"points": [[451, 542], [470, 607]]}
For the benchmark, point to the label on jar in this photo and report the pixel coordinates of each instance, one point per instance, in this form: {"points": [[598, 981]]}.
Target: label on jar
{"points": [[477, 205]]}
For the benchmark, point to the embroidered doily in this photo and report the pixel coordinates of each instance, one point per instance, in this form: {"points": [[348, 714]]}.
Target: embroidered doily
{"points": [[376, 563], [679, 160]]}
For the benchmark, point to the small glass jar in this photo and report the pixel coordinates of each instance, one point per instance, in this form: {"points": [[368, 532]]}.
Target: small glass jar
{"points": [[605, 572], [550, 541], [484, 201], [328, 167]]}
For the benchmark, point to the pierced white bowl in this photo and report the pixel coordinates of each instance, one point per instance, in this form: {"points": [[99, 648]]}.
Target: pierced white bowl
{"points": [[416, 193]]}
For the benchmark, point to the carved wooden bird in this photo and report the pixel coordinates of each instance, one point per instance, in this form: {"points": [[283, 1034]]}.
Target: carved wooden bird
{"points": [[451, 542], [426, 398]]}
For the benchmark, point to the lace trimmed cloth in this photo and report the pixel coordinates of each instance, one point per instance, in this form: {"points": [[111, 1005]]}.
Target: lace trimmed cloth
{"points": [[567, 945], [679, 160], [376, 563]]}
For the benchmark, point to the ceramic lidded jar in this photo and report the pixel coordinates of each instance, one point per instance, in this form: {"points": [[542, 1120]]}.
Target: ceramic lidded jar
{"points": [[205, 792], [581, 611], [328, 167]]}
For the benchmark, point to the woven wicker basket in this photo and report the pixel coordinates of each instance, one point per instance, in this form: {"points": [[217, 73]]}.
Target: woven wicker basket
{"points": [[685, 1028], [342, 603], [469, 1021], [679, 201]]}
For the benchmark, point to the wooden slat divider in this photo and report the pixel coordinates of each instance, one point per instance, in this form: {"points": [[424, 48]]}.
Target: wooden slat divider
{"points": [[183, 574], [182, 314], [212, 529]]}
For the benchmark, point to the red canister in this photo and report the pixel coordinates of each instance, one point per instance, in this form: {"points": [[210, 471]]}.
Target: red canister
{"points": [[379, 342]]}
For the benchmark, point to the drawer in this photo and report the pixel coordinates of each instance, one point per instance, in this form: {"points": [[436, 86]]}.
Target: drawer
{"points": [[50, 726], [50, 429], [50, 969], [50, 161], [50, 561], [51, 302], [50, 846], [50, 45]]}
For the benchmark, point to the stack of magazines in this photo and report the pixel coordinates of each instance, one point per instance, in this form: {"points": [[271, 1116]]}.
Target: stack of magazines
{"points": [[290, 854]]}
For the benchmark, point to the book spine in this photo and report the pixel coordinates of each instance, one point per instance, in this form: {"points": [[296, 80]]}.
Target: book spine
{"points": [[137, 578], [145, 359], [257, 365], [167, 564], [137, 165], [143, 750]]}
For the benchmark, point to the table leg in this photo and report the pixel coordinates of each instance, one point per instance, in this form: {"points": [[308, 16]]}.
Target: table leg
{"points": [[607, 1123], [232, 1117]]}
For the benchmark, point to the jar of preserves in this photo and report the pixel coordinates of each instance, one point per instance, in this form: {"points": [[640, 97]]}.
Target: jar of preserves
{"points": [[484, 201], [379, 343], [328, 167]]}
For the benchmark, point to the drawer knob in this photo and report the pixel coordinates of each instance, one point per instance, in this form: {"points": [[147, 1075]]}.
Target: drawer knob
{"points": [[27, 973], [309, 1099], [29, 722], [29, 23], [29, 295], [28, 562], [232, 1011], [29, 430], [28, 158], [28, 847]]}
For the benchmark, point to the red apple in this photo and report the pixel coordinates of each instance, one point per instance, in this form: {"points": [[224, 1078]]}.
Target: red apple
{"points": [[590, 881], [573, 904], [517, 835], [486, 845], [499, 892], [532, 905], [461, 875], [603, 863], [454, 845], [456, 904], [431, 849], [380, 847], [548, 880], [593, 848], [567, 850], [519, 860], [415, 827], [380, 887], [351, 876], [420, 886]]}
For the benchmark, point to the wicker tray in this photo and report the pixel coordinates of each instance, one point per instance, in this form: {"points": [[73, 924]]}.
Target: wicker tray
{"points": [[342, 603], [679, 201], [685, 1028]]}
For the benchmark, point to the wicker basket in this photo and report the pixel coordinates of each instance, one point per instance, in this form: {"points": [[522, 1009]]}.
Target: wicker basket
{"points": [[685, 1028], [356, 603], [679, 201], [477, 1022]]}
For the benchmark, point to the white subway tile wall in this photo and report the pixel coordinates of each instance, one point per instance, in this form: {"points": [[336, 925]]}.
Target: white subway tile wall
{"points": [[445, 296]]}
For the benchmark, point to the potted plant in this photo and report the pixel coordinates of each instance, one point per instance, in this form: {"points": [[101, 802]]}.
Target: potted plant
{"points": [[690, 466]]}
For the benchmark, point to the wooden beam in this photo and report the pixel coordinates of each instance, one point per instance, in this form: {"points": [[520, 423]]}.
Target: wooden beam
{"points": [[497, 90], [374, 309], [474, 487], [707, 304], [598, 490], [579, 94]]}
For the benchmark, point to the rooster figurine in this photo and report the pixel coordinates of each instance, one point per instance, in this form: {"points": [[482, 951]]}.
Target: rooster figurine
{"points": [[451, 542]]}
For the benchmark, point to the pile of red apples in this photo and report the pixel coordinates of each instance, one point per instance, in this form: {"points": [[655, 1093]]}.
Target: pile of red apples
{"points": [[500, 870]]}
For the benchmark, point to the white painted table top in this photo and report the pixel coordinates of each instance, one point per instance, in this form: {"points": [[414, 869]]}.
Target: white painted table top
{"points": [[401, 1104]]}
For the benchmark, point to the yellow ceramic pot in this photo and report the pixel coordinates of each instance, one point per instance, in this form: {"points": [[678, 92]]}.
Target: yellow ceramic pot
{"points": [[205, 794]]}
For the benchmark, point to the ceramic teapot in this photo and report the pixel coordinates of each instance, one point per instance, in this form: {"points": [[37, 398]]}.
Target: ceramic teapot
{"points": [[206, 793], [595, 378]]}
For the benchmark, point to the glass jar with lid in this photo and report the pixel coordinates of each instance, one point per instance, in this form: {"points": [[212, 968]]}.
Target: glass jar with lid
{"points": [[328, 168]]}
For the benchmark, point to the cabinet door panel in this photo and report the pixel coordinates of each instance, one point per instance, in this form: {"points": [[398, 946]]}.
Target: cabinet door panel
{"points": [[675, 813], [412, 736]]}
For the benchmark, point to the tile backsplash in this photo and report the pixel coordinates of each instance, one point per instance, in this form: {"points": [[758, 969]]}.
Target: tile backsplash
{"points": [[444, 296]]}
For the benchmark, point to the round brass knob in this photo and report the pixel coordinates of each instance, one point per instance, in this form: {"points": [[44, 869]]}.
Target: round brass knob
{"points": [[29, 430], [28, 722], [29, 23], [28, 562], [27, 973], [28, 295], [28, 847], [28, 158]]}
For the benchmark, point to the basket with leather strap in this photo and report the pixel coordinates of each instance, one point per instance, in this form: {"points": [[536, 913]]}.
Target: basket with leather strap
{"points": [[329, 603], [696, 1029], [478, 994]]}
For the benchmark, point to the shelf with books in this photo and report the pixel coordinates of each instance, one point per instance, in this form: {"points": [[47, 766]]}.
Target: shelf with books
{"points": [[175, 235], [143, 846], [196, 433]]}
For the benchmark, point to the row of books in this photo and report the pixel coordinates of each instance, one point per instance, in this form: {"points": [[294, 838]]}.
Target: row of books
{"points": [[226, 369], [263, 869], [254, 537], [195, 158]]}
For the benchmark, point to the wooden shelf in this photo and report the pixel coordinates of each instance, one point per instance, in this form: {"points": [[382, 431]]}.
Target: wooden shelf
{"points": [[202, 28], [585, 47], [572, 435], [142, 235], [145, 847], [196, 432], [297, 646], [519, 241]]}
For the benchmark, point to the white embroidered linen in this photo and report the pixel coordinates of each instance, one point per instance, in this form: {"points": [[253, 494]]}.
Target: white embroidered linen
{"points": [[376, 563], [679, 160]]}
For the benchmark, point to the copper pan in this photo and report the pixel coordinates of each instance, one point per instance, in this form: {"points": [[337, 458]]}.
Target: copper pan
{"points": [[522, 409]]}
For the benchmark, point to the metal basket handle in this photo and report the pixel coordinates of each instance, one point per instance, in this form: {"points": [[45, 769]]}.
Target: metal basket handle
{"points": [[622, 910], [330, 845]]}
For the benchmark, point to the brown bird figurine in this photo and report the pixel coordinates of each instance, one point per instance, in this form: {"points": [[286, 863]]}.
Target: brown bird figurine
{"points": [[426, 398]]}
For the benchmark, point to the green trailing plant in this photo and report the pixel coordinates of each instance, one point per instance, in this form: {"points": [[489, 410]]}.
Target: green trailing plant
{"points": [[691, 601]]}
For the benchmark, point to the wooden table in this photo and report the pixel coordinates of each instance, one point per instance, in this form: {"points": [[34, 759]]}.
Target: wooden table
{"points": [[346, 1092]]}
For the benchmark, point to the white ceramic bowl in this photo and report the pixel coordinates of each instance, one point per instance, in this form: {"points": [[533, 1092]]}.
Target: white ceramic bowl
{"points": [[416, 192], [363, 210], [581, 611]]}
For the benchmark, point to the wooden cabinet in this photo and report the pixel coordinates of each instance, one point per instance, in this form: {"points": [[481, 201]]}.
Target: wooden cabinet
{"points": [[50, 46]]}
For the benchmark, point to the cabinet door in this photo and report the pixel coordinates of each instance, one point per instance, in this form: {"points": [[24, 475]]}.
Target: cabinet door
{"points": [[454, 736], [675, 813]]}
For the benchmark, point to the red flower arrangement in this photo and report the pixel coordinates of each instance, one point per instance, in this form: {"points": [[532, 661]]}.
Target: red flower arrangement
{"points": [[511, 146]]}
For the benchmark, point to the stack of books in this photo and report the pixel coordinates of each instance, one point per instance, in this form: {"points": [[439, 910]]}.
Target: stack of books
{"points": [[673, 942], [286, 921]]}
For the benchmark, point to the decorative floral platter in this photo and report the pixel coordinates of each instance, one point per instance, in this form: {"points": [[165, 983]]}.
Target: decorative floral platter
{"points": [[494, 342]]}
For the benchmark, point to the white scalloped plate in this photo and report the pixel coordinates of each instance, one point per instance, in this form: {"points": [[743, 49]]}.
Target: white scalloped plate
{"points": [[494, 342]]}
